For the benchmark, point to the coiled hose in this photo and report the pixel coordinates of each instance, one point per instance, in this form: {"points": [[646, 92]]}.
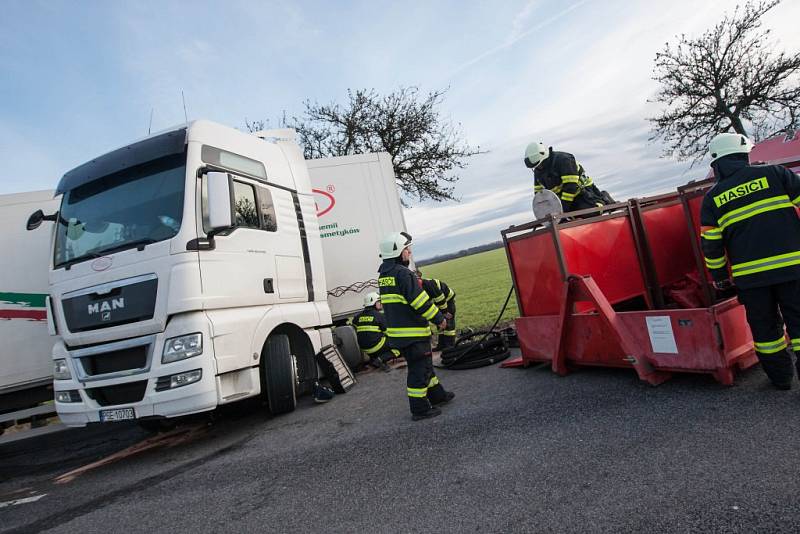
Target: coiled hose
{"points": [[491, 348]]}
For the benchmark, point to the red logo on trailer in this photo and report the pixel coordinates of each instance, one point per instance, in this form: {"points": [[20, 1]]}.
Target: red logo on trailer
{"points": [[324, 200]]}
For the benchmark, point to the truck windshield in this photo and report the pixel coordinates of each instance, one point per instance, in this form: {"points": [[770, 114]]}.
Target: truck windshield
{"points": [[132, 207]]}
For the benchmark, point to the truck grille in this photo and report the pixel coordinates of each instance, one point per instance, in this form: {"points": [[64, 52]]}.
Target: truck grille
{"points": [[112, 362], [119, 394], [114, 304]]}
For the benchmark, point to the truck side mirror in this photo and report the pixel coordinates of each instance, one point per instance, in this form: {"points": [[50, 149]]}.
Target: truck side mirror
{"points": [[220, 213], [36, 219]]}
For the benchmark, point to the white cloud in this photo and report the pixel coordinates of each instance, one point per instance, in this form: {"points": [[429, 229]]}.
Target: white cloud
{"points": [[517, 35]]}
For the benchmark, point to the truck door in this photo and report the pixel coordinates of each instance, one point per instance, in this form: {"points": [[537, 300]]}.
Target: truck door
{"points": [[259, 261]]}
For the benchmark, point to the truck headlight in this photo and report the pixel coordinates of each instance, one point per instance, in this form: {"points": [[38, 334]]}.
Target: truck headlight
{"points": [[182, 347], [68, 396], [61, 370]]}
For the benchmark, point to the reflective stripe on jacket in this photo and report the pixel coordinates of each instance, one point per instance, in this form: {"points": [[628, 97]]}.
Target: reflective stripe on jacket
{"points": [[440, 292], [562, 175], [749, 222], [408, 309], [370, 327]]}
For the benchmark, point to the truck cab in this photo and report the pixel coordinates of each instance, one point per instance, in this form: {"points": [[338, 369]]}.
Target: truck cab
{"points": [[186, 272]]}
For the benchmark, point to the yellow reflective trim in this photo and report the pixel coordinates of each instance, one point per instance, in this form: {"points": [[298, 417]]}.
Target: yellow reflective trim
{"points": [[408, 332], [443, 306], [766, 264], [448, 333], [712, 234], [715, 263], [796, 201], [434, 381], [771, 347], [431, 313], [366, 319], [538, 188], [756, 208], [570, 179], [450, 295], [569, 197], [386, 281], [556, 189], [796, 344], [375, 348], [421, 299], [418, 393], [741, 190], [393, 298], [440, 298], [369, 328]]}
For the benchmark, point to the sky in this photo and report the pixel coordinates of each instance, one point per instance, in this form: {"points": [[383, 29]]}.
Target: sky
{"points": [[80, 78]]}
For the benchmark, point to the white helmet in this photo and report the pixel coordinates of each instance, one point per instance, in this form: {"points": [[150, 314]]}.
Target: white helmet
{"points": [[728, 143], [371, 298], [535, 153], [393, 244]]}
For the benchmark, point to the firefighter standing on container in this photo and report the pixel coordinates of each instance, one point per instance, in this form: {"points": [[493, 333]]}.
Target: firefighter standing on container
{"points": [[445, 298], [408, 310], [749, 223], [561, 174]]}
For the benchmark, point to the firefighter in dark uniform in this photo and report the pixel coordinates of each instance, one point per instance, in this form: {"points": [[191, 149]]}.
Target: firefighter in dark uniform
{"points": [[750, 225], [445, 298], [409, 310], [370, 327], [561, 174]]}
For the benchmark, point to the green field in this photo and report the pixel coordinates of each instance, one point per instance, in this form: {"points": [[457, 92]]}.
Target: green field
{"points": [[481, 283]]}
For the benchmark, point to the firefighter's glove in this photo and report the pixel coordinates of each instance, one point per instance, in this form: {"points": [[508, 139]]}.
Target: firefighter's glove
{"points": [[723, 285], [725, 289]]}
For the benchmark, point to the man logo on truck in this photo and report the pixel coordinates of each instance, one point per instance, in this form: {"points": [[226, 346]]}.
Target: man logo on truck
{"points": [[106, 307]]}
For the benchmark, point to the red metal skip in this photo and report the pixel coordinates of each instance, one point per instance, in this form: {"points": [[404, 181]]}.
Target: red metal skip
{"points": [[616, 289]]}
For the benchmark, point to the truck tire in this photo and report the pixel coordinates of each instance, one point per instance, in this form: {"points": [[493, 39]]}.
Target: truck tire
{"points": [[347, 342], [279, 375]]}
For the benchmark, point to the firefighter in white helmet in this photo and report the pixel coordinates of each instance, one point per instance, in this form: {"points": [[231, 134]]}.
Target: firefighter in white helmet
{"points": [[750, 231], [370, 326], [409, 310], [561, 174]]}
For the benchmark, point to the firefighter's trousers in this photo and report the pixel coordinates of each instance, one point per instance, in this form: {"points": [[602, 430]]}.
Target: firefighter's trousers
{"points": [[767, 309], [422, 383]]}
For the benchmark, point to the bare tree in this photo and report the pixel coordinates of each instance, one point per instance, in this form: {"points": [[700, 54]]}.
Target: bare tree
{"points": [[426, 149], [728, 79]]}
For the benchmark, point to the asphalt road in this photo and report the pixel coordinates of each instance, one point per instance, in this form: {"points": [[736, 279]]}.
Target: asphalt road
{"points": [[519, 450]]}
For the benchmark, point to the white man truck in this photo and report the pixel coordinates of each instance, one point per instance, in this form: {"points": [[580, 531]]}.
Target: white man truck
{"points": [[188, 271]]}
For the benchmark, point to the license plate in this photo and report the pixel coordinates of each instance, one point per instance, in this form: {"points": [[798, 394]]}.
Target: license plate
{"points": [[119, 414]]}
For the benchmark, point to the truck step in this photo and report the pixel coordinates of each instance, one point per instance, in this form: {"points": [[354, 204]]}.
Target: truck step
{"points": [[335, 369]]}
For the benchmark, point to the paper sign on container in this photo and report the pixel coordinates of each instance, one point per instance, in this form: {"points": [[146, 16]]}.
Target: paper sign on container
{"points": [[662, 338]]}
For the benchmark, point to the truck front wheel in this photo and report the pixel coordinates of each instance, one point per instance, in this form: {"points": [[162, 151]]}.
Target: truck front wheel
{"points": [[279, 375]]}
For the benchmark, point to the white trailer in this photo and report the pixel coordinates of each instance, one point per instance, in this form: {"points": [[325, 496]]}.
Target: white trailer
{"points": [[188, 271], [26, 364], [357, 204]]}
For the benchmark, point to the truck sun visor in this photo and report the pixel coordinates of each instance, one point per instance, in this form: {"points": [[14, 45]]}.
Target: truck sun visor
{"points": [[155, 147]]}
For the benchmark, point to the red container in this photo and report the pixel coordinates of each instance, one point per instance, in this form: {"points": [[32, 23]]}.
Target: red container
{"points": [[628, 288], [623, 289]]}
